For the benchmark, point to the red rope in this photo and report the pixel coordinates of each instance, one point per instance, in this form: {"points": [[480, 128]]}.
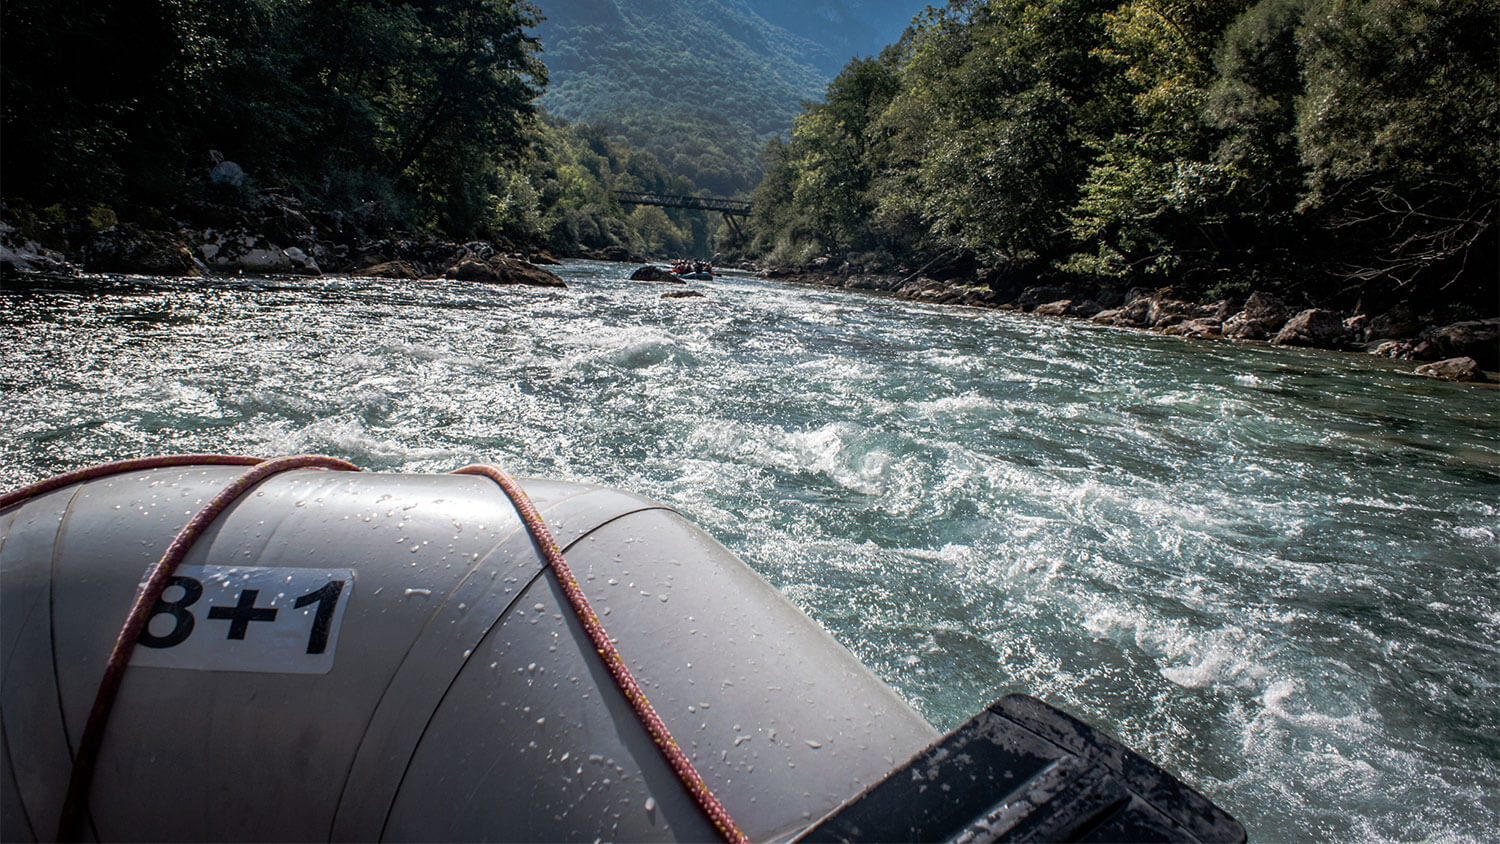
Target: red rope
{"points": [[120, 467], [87, 757], [676, 758]]}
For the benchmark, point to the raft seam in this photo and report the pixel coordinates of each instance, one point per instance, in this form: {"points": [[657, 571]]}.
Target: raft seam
{"points": [[519, 530]]}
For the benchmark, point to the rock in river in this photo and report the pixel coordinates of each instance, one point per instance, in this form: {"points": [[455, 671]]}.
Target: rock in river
{"points": [[393, 269], [503, 270], [127, 248], [1200, 327], [651, 273]]}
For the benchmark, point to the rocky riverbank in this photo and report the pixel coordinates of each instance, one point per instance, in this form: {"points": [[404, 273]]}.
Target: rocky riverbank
{"points": [[273, 235], [1466, 350]]}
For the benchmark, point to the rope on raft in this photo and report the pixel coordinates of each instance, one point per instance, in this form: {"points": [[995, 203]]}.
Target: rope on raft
{"points": [[624, 680], [86, 759]]}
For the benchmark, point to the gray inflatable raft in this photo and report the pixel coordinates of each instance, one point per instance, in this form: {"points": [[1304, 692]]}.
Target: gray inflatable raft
{"points": [[451, 694], [358, 656]]}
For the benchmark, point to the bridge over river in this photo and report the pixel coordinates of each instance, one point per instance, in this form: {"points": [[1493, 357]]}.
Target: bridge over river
{"points": [[730, 208]]}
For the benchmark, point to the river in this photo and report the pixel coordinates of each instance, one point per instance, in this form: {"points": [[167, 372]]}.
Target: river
{"points": [[1274, 572]]}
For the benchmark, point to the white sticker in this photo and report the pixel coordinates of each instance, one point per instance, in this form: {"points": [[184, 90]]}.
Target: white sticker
{"points": [[244, 618]]}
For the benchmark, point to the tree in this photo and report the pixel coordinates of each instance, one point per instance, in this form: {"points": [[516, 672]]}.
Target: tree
{"points": [[1399, 129], [1152, 199], [88, 92], [831, 151], [989, 137], [419, 102]]}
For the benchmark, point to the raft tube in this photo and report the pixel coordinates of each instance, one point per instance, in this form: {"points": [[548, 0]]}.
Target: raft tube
{"points": [[441, 690], [354, 656]]}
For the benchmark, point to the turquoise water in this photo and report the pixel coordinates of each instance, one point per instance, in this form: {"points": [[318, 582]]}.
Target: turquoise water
{"points": [[1275, 573]]}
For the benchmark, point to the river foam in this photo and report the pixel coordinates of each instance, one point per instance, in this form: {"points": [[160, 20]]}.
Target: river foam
{"points": [[1276, 573]]}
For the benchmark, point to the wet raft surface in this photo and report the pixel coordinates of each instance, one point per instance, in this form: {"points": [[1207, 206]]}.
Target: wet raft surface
{"points": [[461, 700]]}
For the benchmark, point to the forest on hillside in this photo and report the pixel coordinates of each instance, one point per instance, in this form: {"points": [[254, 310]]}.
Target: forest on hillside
{"points": [[381, 117], [1339, 150], [702, 84], [1336, 150]]}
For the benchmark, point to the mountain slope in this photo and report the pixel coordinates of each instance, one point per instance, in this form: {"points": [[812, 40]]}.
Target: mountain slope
{"points": [[700, 83], [842, 29]]}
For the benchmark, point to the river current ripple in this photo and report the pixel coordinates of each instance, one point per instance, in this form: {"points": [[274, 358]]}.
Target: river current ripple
{"points": [[1276, 573]]}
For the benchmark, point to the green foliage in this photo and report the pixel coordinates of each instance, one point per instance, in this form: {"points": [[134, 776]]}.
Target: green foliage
{"points": [[830, 143], [563, 196], [1151, 198], [1006, 137], [1399, 129], [1343, 148], [415, 106]]}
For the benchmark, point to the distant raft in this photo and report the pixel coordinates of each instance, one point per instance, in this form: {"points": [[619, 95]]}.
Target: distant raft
{"points": [[360, 656]]}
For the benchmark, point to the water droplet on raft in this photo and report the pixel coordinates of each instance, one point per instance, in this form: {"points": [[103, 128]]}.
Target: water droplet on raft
{"points": [[650, 804]]}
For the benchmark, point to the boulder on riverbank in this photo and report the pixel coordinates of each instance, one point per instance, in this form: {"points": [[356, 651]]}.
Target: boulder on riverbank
{"points": [[1070, 308], [243, 252], [502, 269], [1262, 316], [1200, 327], [1130, 315], [1393, 324], [127, 248], [1478, 339], [1453, 369], [28, 256], [1169, 307], [1032, 297], [1315, 327]]}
